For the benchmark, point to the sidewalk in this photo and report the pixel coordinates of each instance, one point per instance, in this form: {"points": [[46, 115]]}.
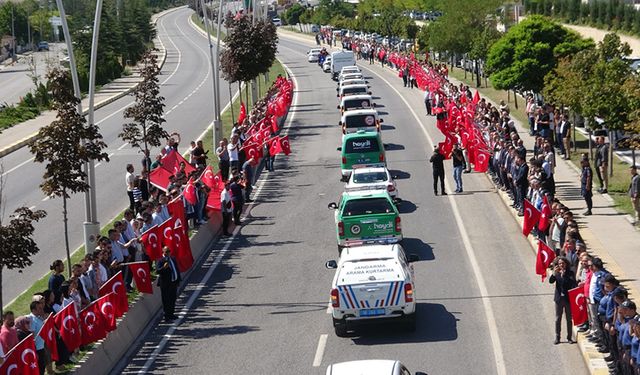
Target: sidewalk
{"points": [[22, 134], [608, 233]]}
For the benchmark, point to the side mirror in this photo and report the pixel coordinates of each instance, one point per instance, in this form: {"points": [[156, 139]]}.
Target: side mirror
{"points": [[332, 206], [331, 265], [366, 81], [411, 258], [339, 148]]}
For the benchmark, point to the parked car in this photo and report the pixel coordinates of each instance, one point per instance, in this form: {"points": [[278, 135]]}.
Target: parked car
{"points": [[43, 46], [276, 21]]}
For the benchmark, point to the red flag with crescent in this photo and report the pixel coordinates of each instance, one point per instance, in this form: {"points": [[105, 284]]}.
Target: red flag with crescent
{"points": [[48, 334], [284, 144], [66, 321], [107, 307], [159, 178], [253, 151], [189, 193], [22, 359], [274, 146], [531, 217], [166, 232], [243, 113], [476, 98], [182, 246], [481, 160], [116, 285], [543, 259], [176, 210], [92, 324], [152, 243], [545, 214], [578, 303], [142, 276]]}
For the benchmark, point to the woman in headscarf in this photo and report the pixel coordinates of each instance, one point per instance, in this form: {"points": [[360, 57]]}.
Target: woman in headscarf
{"points": [[23, 326]]}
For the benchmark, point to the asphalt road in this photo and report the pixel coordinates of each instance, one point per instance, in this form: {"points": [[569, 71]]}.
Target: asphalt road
{"points": [[187, 88], [258, 304], [17, 79]]}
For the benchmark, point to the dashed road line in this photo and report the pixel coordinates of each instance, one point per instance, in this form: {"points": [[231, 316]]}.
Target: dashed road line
{"points": [[322, 344]]}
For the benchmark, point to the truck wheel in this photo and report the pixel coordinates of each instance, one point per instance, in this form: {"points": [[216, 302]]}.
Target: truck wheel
{"points": [[340, 250], [340, 328], [410, 323]]}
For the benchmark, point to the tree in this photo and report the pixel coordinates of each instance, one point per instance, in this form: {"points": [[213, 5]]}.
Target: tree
{"points": [[16, 237], [251, 50], [292, 15], [573, 10], [65, 146], [147, 112], [529, 51], [631, 89], [481, 44]]}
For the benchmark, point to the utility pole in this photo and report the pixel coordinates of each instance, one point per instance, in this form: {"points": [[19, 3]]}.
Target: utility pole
{"points": [[14, 57], [91, 173], [91, 228], [217, 126]]}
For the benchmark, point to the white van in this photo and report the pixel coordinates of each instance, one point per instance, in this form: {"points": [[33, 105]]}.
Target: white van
{"points": [[351, 102], [372, 284], [360, 119], [339, 60], [361, 89]]}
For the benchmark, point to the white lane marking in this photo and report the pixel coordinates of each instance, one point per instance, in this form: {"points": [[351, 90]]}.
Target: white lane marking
{"points": [[205, 280], [493, 328], [32, 208], [46, 198], [329, 308], [17, 166], [322, 343]]}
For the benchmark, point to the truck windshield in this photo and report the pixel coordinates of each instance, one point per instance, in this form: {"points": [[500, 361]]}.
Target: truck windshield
{"points": [[360, 121], [367, 206]]}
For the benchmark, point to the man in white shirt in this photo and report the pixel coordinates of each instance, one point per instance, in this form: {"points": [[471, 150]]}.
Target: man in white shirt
{"points": [[129, 179], [232, 149], [226, 208]]}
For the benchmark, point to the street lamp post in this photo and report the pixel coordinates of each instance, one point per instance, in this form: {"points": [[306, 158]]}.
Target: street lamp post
{"points": [[217, 130], [91, 228]]}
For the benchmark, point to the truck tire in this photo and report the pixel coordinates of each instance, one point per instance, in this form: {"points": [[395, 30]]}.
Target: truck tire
{"points": [[340, 327]]}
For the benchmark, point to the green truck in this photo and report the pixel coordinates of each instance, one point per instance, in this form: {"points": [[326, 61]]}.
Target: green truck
{"points": [[361, 147], [368, 216]]}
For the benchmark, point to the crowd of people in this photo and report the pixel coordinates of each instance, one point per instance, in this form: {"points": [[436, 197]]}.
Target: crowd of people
{"points": [[150, 206], [527, 176]]}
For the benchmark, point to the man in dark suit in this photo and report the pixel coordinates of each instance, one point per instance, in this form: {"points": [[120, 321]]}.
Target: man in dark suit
{"points": [[521, 180], [565, 136], [168, 281], [564, 280]]}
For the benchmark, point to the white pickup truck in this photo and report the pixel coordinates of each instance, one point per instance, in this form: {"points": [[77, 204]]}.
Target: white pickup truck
{"points": [[372, 284]]}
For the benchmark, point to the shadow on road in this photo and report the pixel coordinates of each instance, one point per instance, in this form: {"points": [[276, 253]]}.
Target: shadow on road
{"points": [[416, 246], [434, 323]]}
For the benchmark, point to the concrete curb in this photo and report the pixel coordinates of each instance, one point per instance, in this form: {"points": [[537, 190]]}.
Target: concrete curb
{"points": [[593, 359], [163, 57]]}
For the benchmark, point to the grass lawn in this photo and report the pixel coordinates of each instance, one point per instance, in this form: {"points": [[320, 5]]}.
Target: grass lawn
{"points": [[618, 183], [198, 22]]}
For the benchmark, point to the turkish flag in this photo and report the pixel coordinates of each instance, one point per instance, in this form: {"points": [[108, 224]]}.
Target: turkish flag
{"points": [[107, 306], [213, 201], [274, 124], [171, 162], [93, 324], [209, 179], [166, 231], [531, 217], [182, 246], [545, 215], [22, 359], [481, 161], [48, 334], [67, 323], [190, 194], [176, 210], [446, 148], [578, 303], [274, 146], [243, 113], [476, 98], [151, 242], [284, 144], [543, 259], [253, 150], [159, 177], [142, 276], [116, 285]]}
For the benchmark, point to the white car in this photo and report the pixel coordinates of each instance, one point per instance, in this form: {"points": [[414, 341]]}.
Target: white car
{"points": [[360, 119], [326, 66], [361, 89], [313, 55], [277, 21], [349, 82], [372, 177], [351, 102], [372, 284], [347, 76], [349, 69], [368, 367]]}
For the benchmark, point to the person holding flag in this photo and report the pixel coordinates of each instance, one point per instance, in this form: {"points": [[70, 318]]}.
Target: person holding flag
{"points": [[564, 280], [168, 281], [437, 166]]}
